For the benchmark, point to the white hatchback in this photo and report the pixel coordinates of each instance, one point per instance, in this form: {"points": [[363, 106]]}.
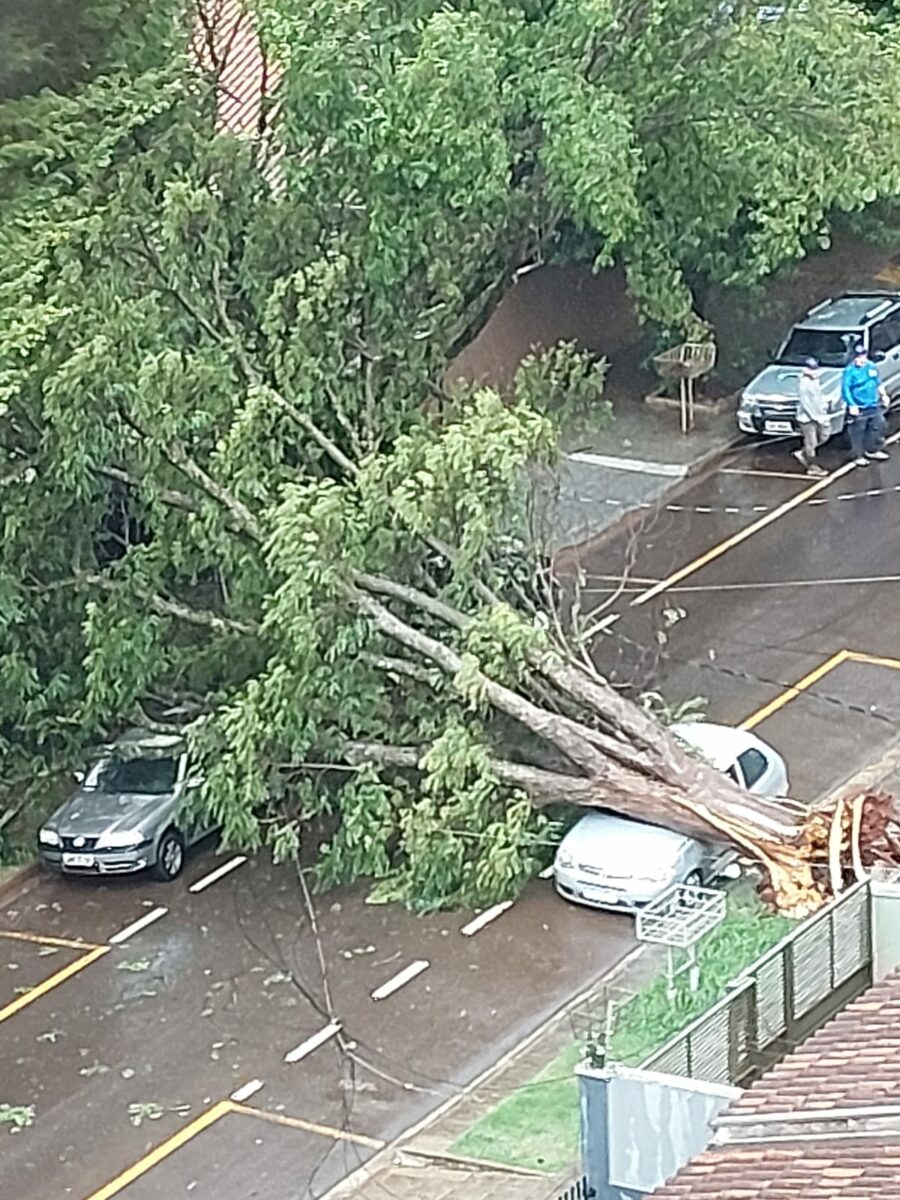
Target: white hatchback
{"points": [[608, 861]]}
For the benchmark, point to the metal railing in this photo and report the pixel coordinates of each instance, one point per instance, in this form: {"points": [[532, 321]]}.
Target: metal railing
{"points": [[578, 1190], [779, 999]]}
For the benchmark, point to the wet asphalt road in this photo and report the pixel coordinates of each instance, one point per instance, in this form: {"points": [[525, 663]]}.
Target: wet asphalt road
{"points": [[215, 993], [148, 1038]]}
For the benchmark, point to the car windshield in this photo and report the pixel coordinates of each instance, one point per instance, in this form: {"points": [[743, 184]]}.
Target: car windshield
{"points": [[144, 776], [831, 347]]}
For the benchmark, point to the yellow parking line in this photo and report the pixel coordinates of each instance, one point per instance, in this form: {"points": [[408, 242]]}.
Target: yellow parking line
{"points": [[163, 1150], [748, 531], [338, 1135], [220, 1109], [41, 940], [742, 535], [802, 685], [795, 690], [874, 660], [41, 989]]}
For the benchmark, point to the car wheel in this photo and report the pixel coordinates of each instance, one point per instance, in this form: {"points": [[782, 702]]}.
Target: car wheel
{"points": [[694, 879], [170, 856]]}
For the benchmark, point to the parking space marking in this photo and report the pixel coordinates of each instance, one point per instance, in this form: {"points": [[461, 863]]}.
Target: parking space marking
{"points": [[485, 918], [337, 1135], [819, 672], [793, 475], [60, 976], [136, 926], [401, 978], [748, 531], [743, 534], [163, 1150], [41, 939], [215, 1113], [313, 1043], [248, 1090], [219, 873]]}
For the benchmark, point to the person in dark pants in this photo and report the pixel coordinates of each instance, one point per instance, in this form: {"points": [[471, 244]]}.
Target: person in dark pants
{"points": [[865, 399]]}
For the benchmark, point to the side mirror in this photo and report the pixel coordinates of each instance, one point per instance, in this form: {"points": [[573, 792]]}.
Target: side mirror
{"points": [[877, 356], [195, 781], [78, 776]]}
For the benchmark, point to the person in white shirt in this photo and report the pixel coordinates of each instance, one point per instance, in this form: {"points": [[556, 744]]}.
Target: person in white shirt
{"points": [[812, 414]]}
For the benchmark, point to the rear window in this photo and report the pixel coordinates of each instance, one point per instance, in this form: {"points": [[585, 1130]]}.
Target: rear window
{"points": [[831, 347], [144, 776]]}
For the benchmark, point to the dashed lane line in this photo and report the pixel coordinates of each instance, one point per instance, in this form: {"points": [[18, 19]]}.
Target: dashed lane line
{"points": [[136, 926], [313, 1043], [401, 979], [749, 530], [247, 1090], [219, 873], [485, 918]]}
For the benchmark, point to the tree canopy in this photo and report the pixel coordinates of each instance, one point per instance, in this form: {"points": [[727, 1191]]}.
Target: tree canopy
{"points": [[233, 487]]}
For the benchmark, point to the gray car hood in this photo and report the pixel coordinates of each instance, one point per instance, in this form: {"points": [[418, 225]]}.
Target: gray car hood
{"points": [[89, 812], [781, 382]]}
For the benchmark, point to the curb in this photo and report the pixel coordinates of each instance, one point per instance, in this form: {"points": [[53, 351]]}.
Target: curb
{"points": [[694, 468], [404, 1145], [20, 881]]}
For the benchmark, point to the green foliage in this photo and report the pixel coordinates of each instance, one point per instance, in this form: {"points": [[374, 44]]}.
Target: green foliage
{"points": [[648, 1020], [231, 480], [536, 1126], [565, 382]]}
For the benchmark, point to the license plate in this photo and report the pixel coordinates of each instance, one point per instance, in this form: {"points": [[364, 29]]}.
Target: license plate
{"points": [[779, 427], [78, 860], [601, 895]]}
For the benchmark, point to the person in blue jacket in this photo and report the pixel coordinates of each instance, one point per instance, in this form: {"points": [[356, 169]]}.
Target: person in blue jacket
{"points": [[865, 399]]}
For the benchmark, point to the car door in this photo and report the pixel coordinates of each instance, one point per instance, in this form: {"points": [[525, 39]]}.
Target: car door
{"points": [[884, 344]]}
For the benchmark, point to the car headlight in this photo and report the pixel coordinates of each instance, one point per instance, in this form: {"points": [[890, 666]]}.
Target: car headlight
{"points": [[749, 405], [564, 860], [118, 839], [48, 837]]}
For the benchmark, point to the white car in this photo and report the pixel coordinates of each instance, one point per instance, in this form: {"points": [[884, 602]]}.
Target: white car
{"points": [[608, 861]]}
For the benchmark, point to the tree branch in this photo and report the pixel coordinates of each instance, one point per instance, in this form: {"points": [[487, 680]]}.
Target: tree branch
{"points": [[552, 728], [174, 608]]}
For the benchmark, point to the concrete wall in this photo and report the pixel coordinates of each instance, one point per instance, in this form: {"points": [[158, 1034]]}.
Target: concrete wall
{"points": [[639, 1127], [546, 306], [885, 910]]}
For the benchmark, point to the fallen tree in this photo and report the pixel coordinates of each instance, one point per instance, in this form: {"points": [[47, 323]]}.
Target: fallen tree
{"points": [[235, 492]]}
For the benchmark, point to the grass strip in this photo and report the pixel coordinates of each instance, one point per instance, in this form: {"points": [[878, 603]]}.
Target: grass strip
{"points": [[536, 1126]]}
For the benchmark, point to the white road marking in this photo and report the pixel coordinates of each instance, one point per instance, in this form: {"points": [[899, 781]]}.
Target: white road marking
{"points": [[742, 535], [485, 918], [639, 465], [313, 1043], [245, 1092], [774, 474], [219, 872], [136, 926], [401, 978]]}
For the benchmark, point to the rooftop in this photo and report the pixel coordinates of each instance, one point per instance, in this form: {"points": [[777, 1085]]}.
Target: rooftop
{"points": [[823, 1123]]}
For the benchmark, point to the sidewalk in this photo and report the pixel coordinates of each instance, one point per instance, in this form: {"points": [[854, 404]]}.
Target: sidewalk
{"points": [[420, 1164], [638, 459]]}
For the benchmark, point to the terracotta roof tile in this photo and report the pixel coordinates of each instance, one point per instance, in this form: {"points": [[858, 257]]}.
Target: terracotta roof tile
{"points": [[852, 1169], [851, 1062]]}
